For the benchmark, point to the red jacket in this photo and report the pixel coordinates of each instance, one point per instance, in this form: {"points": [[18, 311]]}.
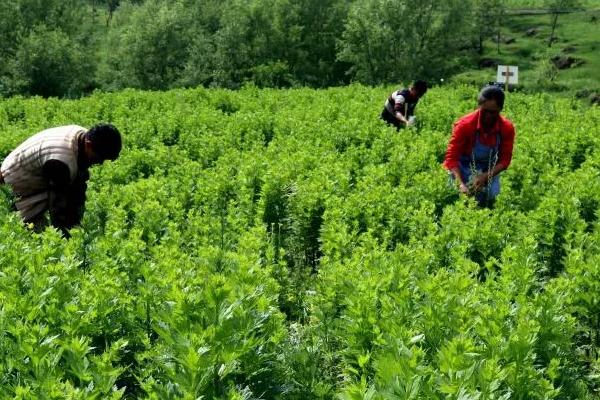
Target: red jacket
{"points": [[463, 139]]}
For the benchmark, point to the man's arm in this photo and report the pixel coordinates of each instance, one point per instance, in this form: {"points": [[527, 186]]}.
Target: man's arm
{"points": [[65, 199], [57, 173], [399, 104], [59, 178], [401, 117]]}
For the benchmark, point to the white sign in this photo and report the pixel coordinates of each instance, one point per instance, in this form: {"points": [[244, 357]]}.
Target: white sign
{"points": [[508, 74]]}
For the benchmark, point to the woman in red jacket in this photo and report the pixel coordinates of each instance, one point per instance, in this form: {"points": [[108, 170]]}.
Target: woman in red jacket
{"points": [[481, 147]]}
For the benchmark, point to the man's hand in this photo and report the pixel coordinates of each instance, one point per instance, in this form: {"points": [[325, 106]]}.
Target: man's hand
{"points": [[463, 189], [401, 118]]}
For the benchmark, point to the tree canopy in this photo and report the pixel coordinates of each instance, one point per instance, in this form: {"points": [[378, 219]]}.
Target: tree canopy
{"points": [[69, 48]]}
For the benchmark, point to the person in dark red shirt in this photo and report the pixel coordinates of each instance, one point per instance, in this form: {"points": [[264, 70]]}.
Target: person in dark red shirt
{"points": [[399, 107], [481, 147]]}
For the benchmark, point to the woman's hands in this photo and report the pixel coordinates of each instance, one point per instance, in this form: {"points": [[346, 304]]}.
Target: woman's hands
{"points": [[480, 181]]}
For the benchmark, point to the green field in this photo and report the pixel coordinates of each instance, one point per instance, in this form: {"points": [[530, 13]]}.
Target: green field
{"points": [[285, 244]]}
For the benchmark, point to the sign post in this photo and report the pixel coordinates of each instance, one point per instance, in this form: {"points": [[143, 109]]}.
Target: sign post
{"points": [[507, 74]]}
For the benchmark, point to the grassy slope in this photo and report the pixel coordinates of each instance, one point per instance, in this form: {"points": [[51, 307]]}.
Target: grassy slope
{"points": [[578, 36], [541, 3]]}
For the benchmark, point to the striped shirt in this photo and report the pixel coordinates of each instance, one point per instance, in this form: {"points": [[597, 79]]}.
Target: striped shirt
{"points": [[22, 169], [401, 101]]}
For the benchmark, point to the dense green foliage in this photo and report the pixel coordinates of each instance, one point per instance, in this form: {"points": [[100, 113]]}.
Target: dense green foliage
{"points": [[547, 3], [69, 48], [287, 244]]}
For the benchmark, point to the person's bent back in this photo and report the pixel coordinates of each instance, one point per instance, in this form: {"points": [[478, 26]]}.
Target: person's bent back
{"points": [[49, 171], [399, 108]]}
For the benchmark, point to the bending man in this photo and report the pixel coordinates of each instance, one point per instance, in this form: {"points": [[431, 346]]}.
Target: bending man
{"points": [[49, 172], [399, 108]]}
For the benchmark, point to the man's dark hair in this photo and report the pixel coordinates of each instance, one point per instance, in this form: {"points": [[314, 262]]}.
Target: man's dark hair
{"points": [[106, 141], [420, 86], [491, 92]]}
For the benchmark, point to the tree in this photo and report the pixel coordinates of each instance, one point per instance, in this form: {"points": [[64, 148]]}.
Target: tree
{"points": [[49, 63], [252, 40], [488, 17], [392, 40], [67, 15], [313, 29], [9, 33], [269, 42], [111, 7], [557, 7], [147, 55], [25, 52]]}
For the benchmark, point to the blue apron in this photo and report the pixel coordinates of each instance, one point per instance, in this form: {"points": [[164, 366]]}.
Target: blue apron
{"points": [[482, 159]]}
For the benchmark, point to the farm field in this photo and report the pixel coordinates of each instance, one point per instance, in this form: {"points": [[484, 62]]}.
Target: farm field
{"points": [[286, 244]]}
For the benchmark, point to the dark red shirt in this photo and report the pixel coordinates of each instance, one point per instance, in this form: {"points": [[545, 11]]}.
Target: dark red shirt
{"points": [[463, 139]]}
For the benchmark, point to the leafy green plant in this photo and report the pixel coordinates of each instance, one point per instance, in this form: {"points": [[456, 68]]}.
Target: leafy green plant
{"points": [[291, 245]]}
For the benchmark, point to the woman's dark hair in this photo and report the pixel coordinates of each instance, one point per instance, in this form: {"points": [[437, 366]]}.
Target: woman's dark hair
{"points": [[106, 141], [420, 86], [491, 92]]}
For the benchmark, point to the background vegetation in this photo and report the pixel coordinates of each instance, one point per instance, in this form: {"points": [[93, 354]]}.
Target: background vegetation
{"points": [[72, 47]]}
